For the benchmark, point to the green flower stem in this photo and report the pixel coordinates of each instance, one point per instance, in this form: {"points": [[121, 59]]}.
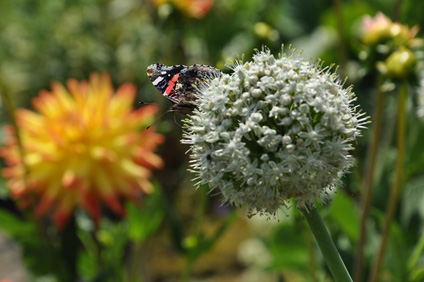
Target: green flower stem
{"points": [[311, 253], [192, 254], [201, 212], [132, 273], [187, 270], [69, 251], [337, 5], [397, 184], [328, 249], [396, 10], [368, 180]]}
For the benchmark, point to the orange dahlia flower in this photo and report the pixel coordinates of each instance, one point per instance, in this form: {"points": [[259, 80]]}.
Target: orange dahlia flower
{"points": [[83, 147]]}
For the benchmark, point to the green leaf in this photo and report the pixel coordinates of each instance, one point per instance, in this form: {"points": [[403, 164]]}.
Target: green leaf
{"points": [[87, 260], [4, 192], [415, 158], [417, 275], [40, 254], [288, 247], [204, 244], [415, 257], [145, 220], [15, 227], [398, 253], [344, 212], [412, 199]]}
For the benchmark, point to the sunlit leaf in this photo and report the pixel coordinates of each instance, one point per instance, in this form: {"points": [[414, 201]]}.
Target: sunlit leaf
{"points": [[145, 219], [413, 199], [344, 212], [288, 246]]}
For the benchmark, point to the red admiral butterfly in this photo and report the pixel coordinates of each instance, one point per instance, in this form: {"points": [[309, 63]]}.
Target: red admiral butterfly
{"points": [[180, 84]]}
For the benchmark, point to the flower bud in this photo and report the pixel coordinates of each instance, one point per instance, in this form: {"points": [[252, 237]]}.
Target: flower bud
{"points": [[400, 63], [376, 29]]}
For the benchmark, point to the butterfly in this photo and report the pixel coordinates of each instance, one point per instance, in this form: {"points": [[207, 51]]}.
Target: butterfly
{"points": [[181, 84]]}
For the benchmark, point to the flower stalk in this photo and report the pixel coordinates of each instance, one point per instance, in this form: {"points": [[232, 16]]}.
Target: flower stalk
{"points": [[368, 180], [311, 254], [326, 245], [337, 4], [192, 255], [397, 184]]}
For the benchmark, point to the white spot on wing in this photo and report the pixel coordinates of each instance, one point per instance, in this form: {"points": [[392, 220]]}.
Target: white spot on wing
{"points": [[157, 80]]}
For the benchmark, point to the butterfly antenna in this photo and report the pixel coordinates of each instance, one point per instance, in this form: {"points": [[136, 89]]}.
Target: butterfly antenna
{"points": [[176, 122], [145, 103], [157, 120]]}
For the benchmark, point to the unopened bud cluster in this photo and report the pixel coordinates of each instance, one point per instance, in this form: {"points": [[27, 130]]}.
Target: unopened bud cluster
{"points": [[392, 45]]}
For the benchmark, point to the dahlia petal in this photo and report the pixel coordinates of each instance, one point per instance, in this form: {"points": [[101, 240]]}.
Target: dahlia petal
{"points": [[131, 168], [63, 99], [101, 183], [61, 218], [17, 187], [151, 140], [149, 160], [69, 179], [126, 90], [29, 119], [11, 172], [44, 103], [123, 100], [44, 206], [64, 209], [144, 112], [146, 186], [113, 203], [90, 203]]}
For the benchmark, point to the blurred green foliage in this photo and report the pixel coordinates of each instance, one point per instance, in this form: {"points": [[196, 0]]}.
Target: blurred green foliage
{"points": [[54, 40]]}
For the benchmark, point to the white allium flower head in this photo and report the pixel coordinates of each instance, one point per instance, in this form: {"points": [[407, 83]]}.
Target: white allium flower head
{"points": [[275, 129]]}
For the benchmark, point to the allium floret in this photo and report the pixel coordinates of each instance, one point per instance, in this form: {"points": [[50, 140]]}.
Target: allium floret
{"points": [[275, 129]]}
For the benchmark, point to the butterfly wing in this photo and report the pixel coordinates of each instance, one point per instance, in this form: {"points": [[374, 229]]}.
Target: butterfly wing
{"points": [[165, 78], [192, 79], [181, 84]]}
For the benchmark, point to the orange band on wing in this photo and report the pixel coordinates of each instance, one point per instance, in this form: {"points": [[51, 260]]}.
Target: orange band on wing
{"points": [[171, 84]]}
